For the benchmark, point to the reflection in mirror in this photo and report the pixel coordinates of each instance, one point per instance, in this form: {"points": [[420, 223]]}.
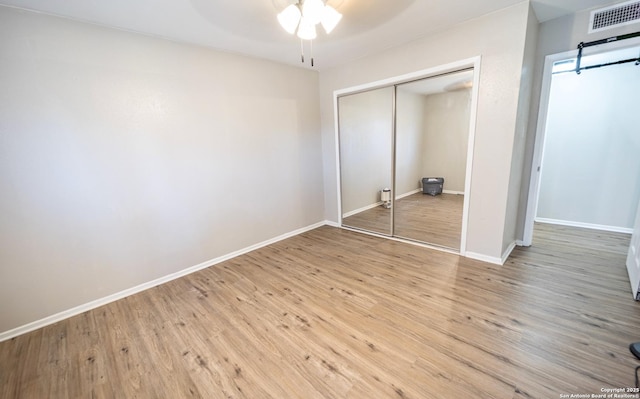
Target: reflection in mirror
{"points": [[365, 123], [432, 134]]}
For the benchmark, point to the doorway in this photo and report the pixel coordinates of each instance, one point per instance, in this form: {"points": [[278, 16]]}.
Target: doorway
{"points": [[585, 169]]}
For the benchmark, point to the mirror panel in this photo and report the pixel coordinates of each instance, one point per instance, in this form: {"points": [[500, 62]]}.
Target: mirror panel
{"points": [[432, 135], [365, 123]]}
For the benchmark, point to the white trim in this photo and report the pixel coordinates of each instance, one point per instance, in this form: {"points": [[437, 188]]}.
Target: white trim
{"points": [[453, 192], [144, 286], [520, 243], [492, 259], [424, 73], [379, 203], [484, 258], [336, 129], [543, 108], [615, 229], [331, 223], [470, 149], [364, 208], [417, 190], [403, 240], [536, 163], [507, 252]]}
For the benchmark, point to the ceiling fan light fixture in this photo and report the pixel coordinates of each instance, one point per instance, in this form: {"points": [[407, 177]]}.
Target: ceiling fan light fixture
{"points": [[302, 16], [312, 10], [289, 18], [330, 18], [306, 29]]}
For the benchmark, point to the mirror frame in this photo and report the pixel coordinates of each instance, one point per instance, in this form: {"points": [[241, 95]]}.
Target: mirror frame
{"points": [[474, 63]]}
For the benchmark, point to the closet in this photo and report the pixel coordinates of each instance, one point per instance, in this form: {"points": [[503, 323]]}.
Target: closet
{"points": [[393, 137]]}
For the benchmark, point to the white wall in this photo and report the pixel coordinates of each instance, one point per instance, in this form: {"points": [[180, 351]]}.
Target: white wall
{"points": [[591, 167], [446, 137], [366, 129], [556, 36], [516, 202], [500, 39], [125, 158], [409, 139]]}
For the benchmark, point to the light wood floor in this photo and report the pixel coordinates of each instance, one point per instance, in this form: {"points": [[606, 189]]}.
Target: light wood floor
{"points": [[435, 220], [338, 314]]}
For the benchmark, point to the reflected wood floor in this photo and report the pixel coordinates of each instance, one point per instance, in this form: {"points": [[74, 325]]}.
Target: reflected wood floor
{"points": [[435, 220], [376, 219], [337, 314]]}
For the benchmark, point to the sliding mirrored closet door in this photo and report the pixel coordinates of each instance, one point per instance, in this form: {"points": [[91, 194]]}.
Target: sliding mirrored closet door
{"points": [[393, 138], [366, 149], [432, 135]]}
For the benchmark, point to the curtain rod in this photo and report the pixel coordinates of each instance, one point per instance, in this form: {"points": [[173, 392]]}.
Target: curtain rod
{"points": [[636, 60], [604, 41]]}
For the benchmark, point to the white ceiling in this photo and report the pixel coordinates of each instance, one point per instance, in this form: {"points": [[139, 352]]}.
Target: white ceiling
{"points": [[250, 27]]}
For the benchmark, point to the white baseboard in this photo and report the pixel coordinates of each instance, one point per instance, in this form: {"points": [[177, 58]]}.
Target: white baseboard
{"points": [[139, 288], [615, 229], [521, 243], [453, 192], [472, 255], [364, 208], [507, 252], [332, 223], [492, 259], [417, 190], [484, 258]]}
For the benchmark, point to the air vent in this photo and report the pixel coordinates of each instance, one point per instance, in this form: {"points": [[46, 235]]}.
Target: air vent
{"points": [[621, 14]]}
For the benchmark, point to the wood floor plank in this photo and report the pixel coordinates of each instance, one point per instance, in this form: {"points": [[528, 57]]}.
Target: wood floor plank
{"points": [[337, 314], [436, 220]]}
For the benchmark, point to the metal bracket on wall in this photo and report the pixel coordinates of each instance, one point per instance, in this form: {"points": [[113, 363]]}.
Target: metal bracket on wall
{"points": [[605, 41]]}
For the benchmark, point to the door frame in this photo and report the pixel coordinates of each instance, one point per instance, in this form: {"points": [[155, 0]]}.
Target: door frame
{"points": [[633, 258], [541, 128], [473, 62]]}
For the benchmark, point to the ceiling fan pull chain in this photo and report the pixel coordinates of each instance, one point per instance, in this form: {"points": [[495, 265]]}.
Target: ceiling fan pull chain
{"points": [[311, 45], [301, 51]]}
